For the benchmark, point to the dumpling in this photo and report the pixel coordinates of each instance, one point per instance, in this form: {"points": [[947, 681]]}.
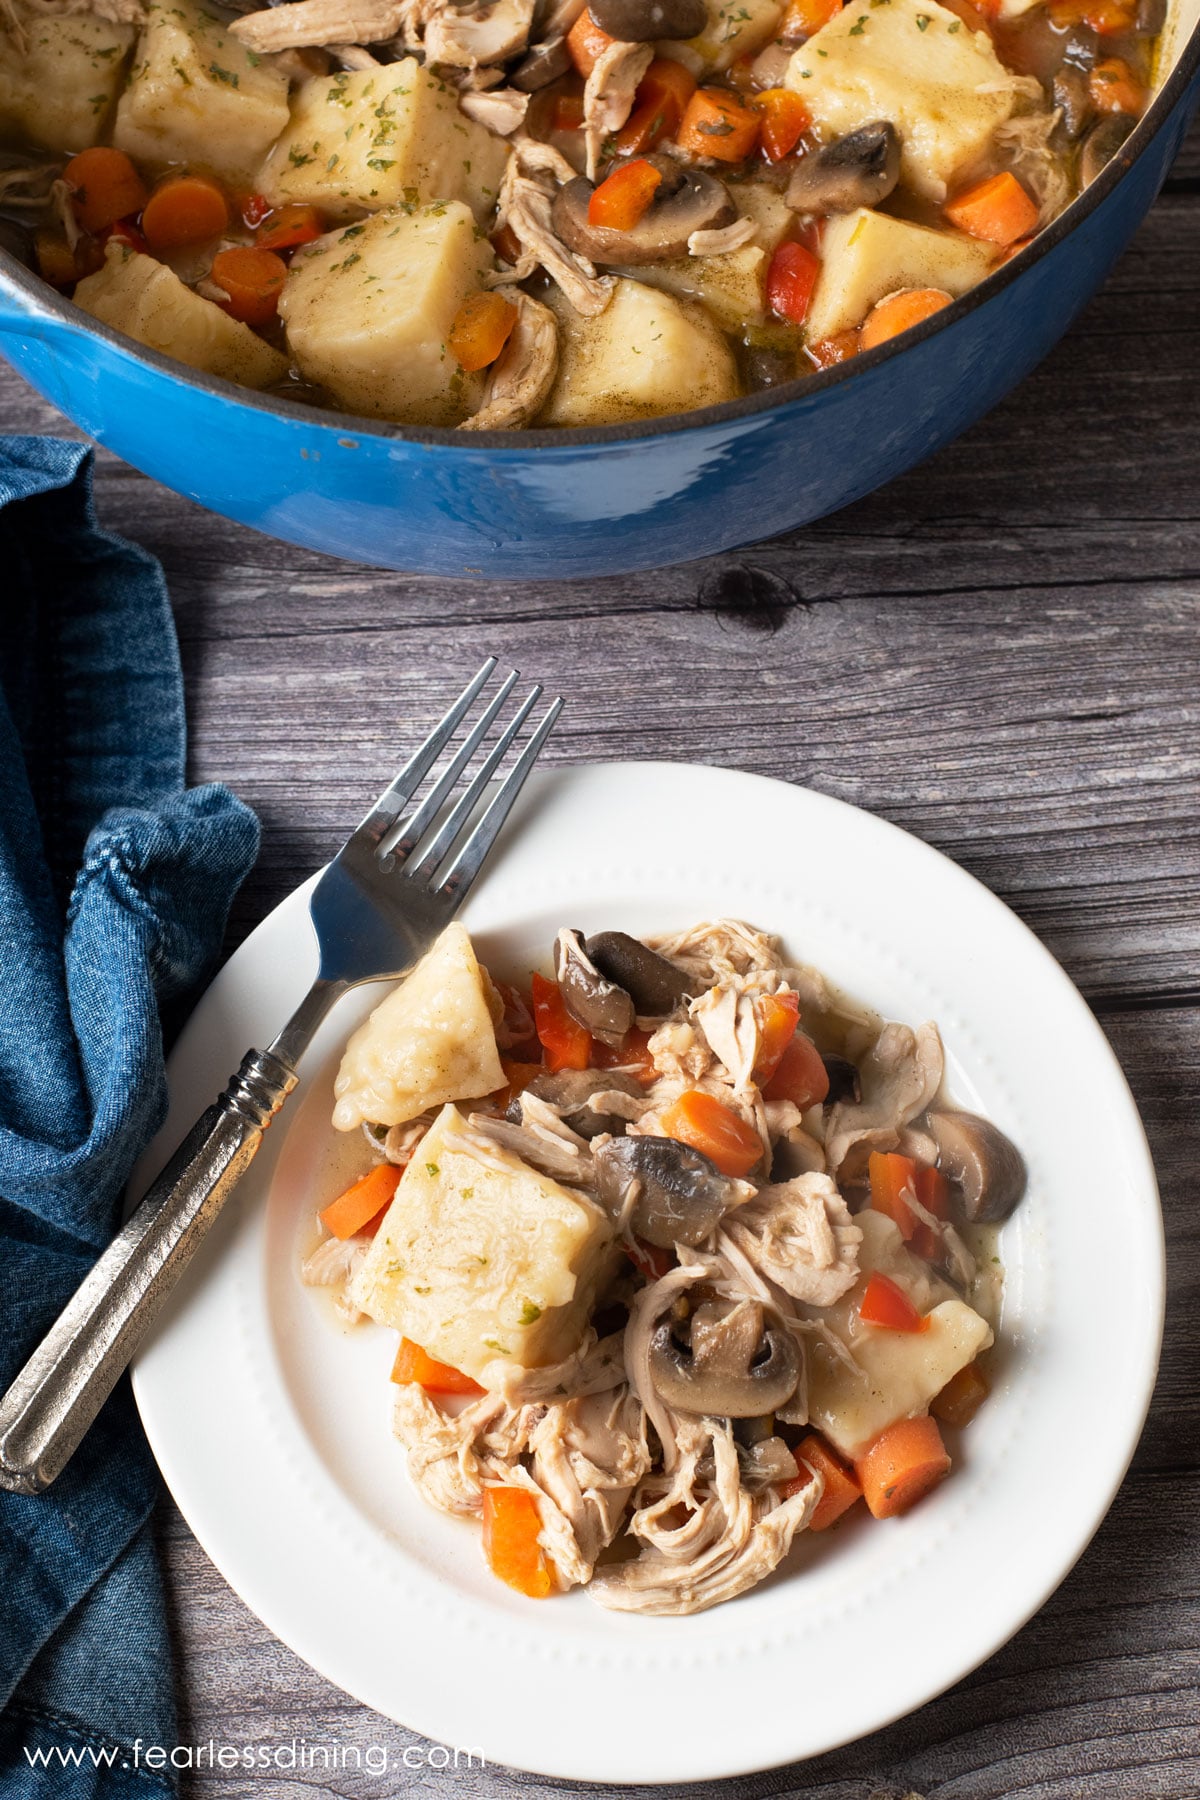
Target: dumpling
{"points": [[432, 1040]]}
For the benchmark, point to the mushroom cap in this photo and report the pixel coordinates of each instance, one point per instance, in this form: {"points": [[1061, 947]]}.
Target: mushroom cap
{"points": [[544, 64], [987, 1166], [860, 169], [685, 201], [1101, 145], [680, 1195], [601, 1006], [647, 21], [656, 985], [736, 1366]]}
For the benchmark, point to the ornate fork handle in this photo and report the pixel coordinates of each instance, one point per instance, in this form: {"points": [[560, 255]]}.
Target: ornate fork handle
{"points": [[62, 1387]]}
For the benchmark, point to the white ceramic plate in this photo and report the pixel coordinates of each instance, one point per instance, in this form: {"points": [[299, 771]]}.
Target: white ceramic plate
{"points": [[272, 1424]]}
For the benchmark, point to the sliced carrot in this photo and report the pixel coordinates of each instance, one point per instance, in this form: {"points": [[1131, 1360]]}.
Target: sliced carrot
{"points": [[901, 1466], [842, 1486], [621, 200], [653, 1261], [360, 1203], [997, 210], [962, 1397], [701, 1120], [510, 1541], [933, 1191], [105, 187], [791, 281], [888, 1306], [891, 1178], [292, 225], [632, 1053], [480, 329], [837, 349], [567, 114], [778, 1017], [804, 17], [785, 120], [1115, 88], [658, 107], [717, 124], [253, 280], [1106, 17], [899, 312], [413, 1364], [586, 43], [187, 209], [255, 209], [567, 1044], [801, 1076]]}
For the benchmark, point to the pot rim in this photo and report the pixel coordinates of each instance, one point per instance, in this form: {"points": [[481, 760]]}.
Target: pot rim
{"points": [[51, 306]]}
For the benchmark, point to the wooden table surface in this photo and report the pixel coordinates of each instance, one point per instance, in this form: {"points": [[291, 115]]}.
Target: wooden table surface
{"points": [[1000, 652]]}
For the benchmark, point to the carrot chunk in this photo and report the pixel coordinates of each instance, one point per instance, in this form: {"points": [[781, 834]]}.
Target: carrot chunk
{"points": [[1106, 17], [885, 1304], [480, 329], [804, 17], [997, 210], [778, 1017], [292, 225], [620, 201], [354, 1209], [658, 107], [414, 1364], [801, 1076], [791, 280], [567, 1044], [899, 312], [510, 1541], [1115, 88], [901, 1466], [187, 209], [715, 1130], [568, 112], [785, 120], [586, 43], [717, 124], [253, 279], [842, 1486], [105, 187], [892, 1177], [962, 1397], [837, 349]]}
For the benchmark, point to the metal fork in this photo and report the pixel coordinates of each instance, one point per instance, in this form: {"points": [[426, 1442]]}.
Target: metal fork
{"points": [[379, 905]]}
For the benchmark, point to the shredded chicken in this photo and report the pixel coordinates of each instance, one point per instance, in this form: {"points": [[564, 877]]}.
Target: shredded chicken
{"points": [[727, 1543], [589, 1455], [723, 240], [1025, 140], [720, 947], [501, 109], [306, 22], [354, 57], [801, 1236], [542, 1138], [519, 382], [900, 1076], [525, 205], [331, 1265], [473, 35], [609, 92], [62, 205]]}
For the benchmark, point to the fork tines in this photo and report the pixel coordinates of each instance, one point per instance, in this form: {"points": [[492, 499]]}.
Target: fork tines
{"points": [[397, 834]]}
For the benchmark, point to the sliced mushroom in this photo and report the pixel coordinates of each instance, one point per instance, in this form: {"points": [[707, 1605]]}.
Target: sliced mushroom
{"points": [[860, 169], [1073, 96], [1101, 145], [845, 1082], [544, 64], [569, 1092], [735, 1366], [602, 1006], [987, 1166], [685, 201], [666, 1192], [1151, 17], [656, 985], [645, 21]]}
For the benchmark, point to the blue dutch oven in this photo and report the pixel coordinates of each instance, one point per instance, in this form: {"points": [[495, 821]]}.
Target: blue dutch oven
{"points": [[562, 504]]}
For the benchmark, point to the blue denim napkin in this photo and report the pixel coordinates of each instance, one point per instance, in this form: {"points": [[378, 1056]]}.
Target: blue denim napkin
{"points": [[115, 884]]}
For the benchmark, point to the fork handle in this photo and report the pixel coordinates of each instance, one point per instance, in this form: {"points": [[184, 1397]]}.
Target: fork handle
{"points": [[62, 1387]]}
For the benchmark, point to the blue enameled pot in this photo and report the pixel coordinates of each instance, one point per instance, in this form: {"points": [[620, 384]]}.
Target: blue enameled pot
{"points": [[559, 504]]}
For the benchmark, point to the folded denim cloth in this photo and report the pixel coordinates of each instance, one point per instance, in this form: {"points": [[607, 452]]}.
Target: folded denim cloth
{"points": [[115, 884]]}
